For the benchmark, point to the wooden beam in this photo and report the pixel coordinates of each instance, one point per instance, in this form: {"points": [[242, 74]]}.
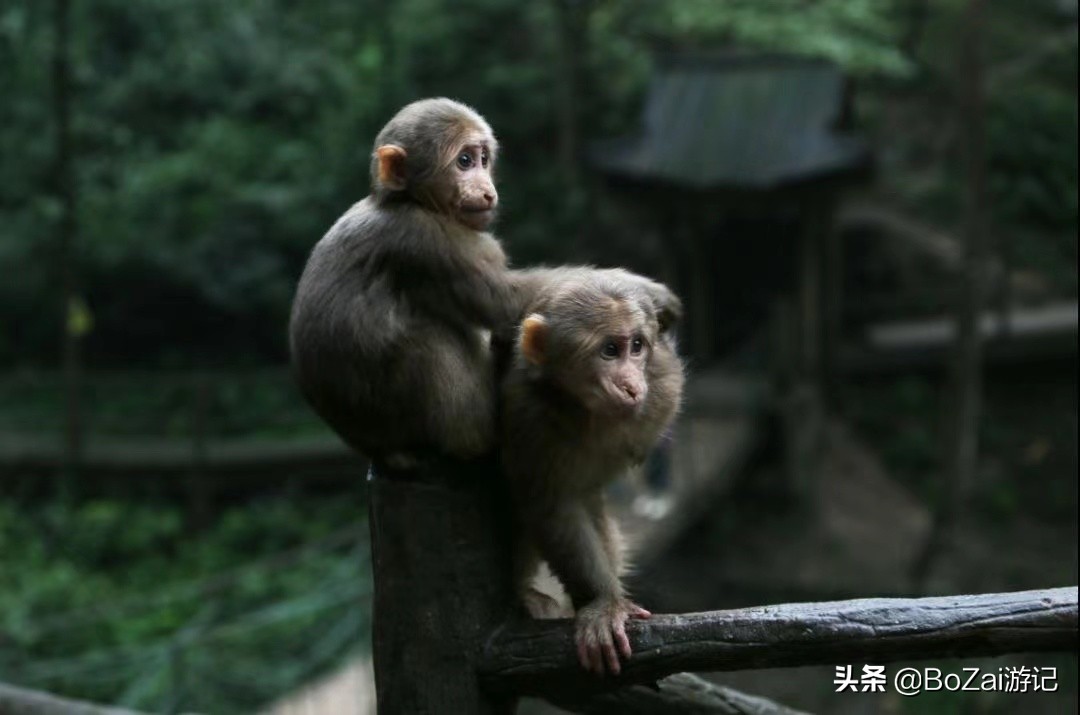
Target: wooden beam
{"points": [[679, 694], [441, 561], [537, 657], [140, 459], [20, 701]]}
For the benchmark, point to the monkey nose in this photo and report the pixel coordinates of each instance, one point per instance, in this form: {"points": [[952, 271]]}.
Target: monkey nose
{"points": [[490, 198]]}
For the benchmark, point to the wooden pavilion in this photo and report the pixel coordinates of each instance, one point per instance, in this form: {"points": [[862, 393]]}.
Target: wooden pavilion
{"points": [[742, 159]]}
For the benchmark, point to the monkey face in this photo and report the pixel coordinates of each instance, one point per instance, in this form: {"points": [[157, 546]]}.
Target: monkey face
{"points": [[596, 347], [466, 184], [620, 374], [620, 353], [440, 154]]}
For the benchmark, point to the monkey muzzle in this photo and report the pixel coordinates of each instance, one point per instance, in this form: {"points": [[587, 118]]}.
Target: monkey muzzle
{"points": [[628, 396], [477, 217]]}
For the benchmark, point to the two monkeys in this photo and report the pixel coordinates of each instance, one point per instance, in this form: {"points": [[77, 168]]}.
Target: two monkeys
{"points": [[391, 335]]}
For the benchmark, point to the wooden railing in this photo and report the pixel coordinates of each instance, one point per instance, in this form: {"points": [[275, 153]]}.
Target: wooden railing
{"points": [[448, 639]]}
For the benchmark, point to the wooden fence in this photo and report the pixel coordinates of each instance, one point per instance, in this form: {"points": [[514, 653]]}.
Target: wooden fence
{"points": [[447, 637]]}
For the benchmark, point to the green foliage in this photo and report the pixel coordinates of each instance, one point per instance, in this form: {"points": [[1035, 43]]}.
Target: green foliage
{"points": [[216, 141], [1031, 131], [1029, 57], [118, 602], [859, 35], [264, 403]]}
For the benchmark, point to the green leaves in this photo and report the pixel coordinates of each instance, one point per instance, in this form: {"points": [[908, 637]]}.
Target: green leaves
{"points": [[860, 35], [215, 142], [115, 601]]}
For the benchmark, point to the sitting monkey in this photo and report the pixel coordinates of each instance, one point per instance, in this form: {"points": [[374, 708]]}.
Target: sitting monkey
{"points": [[593, 384], [391, 324]]}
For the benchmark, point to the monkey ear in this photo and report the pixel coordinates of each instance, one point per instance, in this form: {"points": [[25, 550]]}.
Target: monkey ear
{"points": [[534, 338], [391, 160]]}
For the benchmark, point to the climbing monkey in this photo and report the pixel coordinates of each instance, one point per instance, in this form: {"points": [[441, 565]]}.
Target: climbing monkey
{"points": [[593, 384]]}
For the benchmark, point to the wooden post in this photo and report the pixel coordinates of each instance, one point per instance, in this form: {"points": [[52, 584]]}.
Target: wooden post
{"points": [[702, 295], [441, 561], [810, 297], [784, 365], [832, 272], [571, 23], [804, 399]]}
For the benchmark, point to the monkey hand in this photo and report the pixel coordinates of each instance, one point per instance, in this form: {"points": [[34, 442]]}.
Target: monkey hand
{"points": [[600, 633]]}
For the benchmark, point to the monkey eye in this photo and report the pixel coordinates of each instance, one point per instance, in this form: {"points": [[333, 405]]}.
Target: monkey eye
{"points": [[636, 345], [464, 160], [610, 351], [484, 158]]}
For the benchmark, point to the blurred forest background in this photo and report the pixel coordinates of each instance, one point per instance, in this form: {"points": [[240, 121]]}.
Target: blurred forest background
{"points": [[178, 532]]}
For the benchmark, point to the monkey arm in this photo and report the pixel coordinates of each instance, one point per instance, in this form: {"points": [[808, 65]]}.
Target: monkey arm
{"points": [[483, 297], [467, 287], [528, 283], [583, 551], [575, 549]]}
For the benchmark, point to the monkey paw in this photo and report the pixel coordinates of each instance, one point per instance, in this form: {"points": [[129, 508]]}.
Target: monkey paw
{"points": [[600, 633]]}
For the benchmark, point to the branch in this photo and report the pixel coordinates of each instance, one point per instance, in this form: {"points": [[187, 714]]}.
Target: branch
{"points": [[682, 694], [1014, 69], [20, 701], [537, 657]]}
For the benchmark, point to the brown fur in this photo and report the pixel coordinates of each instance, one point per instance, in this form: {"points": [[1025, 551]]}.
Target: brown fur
{"points": [[568, 431], [391, 324], [393, 314]]}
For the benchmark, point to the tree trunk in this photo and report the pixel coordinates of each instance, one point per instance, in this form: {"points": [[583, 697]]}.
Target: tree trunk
{"points": [[571, 21], [966, 376], [916, 13], [64, 181]]}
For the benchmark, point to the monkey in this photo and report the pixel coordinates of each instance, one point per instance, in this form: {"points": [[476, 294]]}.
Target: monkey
{"points": [[394, 313], [593, 383], [392, 318]]}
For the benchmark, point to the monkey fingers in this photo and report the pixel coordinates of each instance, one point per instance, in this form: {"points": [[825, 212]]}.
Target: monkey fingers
{"points": [[601, 634], [594, 645]]}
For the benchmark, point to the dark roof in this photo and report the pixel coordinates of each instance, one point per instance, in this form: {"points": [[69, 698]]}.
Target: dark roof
{"points": [[738, 122]]}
